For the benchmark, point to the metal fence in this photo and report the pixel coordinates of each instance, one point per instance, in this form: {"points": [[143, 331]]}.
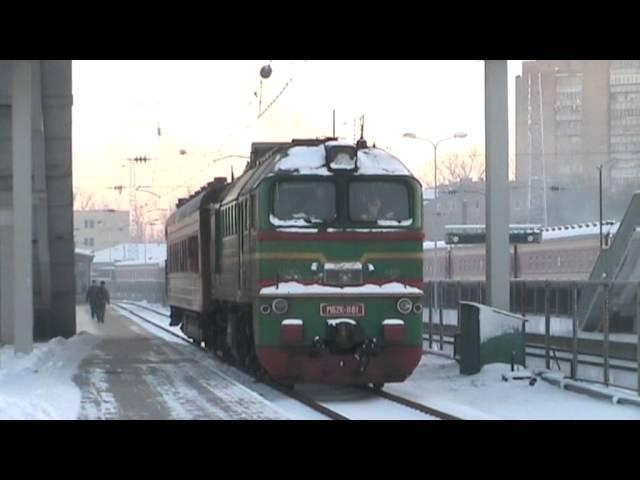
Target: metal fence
{"points": [[557, 300]]}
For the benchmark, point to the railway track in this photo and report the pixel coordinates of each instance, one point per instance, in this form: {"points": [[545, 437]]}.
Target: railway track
{"points": [[144, 307], [321, 406]]}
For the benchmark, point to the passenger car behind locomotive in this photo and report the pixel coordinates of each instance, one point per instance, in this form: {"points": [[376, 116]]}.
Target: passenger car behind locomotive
{"points": [[308, 266]]}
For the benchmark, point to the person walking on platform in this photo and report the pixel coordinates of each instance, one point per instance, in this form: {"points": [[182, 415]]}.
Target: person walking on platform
{"points": [[91, 297], [102, 298]]}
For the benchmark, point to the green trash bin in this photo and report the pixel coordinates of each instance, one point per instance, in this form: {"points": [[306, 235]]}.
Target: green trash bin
{"points": [[488, 335]]}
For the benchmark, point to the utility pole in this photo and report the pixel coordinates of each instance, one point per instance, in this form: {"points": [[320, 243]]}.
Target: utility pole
{"points": [[334, 123], [600, 202], [133, 204]]}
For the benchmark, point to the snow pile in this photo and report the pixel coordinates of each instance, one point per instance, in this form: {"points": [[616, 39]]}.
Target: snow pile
{"points": [[295, 288], [39, 386], [378, 162], [495, 322], [429, 245], [437, 382], [304, 160], [310, 160]]}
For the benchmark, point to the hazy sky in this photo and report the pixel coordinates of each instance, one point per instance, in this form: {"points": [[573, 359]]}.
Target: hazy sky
{"points": [[209, 109]]}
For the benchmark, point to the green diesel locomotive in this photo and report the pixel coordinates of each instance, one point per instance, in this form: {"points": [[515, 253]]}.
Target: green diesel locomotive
{"points": [[308, 266]]}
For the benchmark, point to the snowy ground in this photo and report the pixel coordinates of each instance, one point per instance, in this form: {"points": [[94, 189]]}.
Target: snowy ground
{"points": [[438, 383], [40, 385]]}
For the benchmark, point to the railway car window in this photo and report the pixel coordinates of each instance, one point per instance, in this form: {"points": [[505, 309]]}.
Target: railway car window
{"points": [[373, 201], [236, 219], [183, 256], [311, 202], [225, 221], [246, 215], [254, 211], [193, 254], [175, 257]]}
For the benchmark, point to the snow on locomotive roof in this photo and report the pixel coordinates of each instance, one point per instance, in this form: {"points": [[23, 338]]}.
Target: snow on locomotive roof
{"points": [[310, 160]]}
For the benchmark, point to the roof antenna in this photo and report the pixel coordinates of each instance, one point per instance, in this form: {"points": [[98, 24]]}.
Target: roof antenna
{"points": [[361, 143], [232, 176]]}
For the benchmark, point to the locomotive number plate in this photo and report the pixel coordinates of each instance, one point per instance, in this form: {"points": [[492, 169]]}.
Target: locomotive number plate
{"points": [[351, 309]]}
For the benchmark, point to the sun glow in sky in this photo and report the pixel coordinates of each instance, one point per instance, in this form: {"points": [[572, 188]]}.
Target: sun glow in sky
{"points": [[209, 109]]}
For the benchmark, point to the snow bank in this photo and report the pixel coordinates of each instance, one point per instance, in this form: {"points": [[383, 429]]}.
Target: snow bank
{"points": [[40, 386]]}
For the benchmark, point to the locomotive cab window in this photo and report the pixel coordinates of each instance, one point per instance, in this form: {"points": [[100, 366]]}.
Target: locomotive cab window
{"points": [[306, 201], [379, 202]]}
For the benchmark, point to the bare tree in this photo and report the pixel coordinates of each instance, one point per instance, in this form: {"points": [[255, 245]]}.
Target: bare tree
{"points": [[157, 233], [425, 177], [138, 222], [457, 167], [82, 200]]}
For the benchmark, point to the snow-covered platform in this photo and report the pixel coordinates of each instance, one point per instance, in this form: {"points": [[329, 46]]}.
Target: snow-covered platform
{"points": [[134, 374], [121, 370]]}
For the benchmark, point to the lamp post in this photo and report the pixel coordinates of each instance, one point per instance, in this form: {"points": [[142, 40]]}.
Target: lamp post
{"points": [[435, 196], [599, 167], [435, 155]]}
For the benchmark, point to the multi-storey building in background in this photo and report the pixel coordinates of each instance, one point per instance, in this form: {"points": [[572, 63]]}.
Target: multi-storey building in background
{"points": [[573, 116], [99, 229]]}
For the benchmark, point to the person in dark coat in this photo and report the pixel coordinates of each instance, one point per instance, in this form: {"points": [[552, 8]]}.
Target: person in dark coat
{"points": [[102, 298], [91, 297]]}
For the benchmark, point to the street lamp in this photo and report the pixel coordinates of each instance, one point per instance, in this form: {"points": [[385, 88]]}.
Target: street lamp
{"points": [[435, 154], [435, 197], [143, 188], [599, 167]]}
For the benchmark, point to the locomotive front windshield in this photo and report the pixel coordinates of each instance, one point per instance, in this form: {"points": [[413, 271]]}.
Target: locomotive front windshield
{"points": [[307, 201], [379, 202]]}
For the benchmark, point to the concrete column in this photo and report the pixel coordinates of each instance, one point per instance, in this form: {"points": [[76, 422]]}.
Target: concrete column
{"points": [[497, 168], [6, 276], [21, 119], [40, 189]]}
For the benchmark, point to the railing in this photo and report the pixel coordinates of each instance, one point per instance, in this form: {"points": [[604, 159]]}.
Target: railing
{"points": [[551, 307]]}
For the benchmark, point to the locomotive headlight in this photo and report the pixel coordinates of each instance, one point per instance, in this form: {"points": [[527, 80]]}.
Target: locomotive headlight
{"points": [[417, 308], [265, 309], [404, 305], [280, 306]]}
